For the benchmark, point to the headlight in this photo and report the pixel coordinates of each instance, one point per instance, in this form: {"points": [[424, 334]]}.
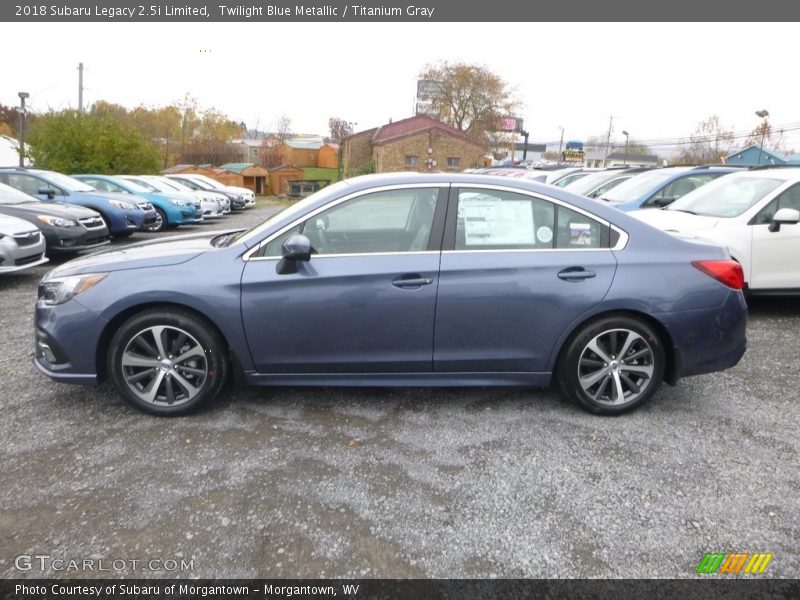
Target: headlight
{"points": [[122, 205], [177, 202], [60, 289], [57, 221]]}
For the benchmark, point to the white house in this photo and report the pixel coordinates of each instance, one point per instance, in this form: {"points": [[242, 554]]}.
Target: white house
{"points": [[9, 152]]}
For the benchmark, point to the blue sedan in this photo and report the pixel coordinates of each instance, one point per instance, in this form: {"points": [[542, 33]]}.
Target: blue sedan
{"points": [[400, 280], [658, 188], [171, 211], [120, 216]]}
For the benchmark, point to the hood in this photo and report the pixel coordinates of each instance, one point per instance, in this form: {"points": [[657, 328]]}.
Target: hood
{"points": [[12, 226], [65, 211], [674, 220], [106, 196], [172, 250]]}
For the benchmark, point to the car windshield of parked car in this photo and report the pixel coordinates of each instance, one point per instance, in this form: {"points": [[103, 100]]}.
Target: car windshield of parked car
{"points": [[145, 185], [635, 187], [726, 197], [9, 195], [586, 184], [68, 183], [171, 185], [214, 184]]}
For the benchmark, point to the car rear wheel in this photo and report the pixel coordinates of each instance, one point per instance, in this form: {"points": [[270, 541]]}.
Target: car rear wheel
{"points": [[167, 362], [612, 365]]}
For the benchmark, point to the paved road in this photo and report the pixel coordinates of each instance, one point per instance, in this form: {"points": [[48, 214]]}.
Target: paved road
{"points": [[402, 483]]}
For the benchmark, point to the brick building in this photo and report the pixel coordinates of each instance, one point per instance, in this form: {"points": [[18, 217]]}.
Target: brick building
{"points": [[419, 143]]}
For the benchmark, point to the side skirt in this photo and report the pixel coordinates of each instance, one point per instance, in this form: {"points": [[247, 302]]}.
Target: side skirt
{"points": [[519, 379]]}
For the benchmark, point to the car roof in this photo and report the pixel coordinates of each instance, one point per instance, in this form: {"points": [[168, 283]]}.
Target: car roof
{"points": [[784, 173]]}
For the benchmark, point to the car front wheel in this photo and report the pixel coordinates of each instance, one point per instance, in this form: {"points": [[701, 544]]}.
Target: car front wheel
{"points": [[612, 365], [160, 223], [167, 362]]}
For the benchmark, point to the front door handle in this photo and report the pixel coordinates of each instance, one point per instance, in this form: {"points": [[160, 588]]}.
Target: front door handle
{"points": [[575, 274], [411, 282]]}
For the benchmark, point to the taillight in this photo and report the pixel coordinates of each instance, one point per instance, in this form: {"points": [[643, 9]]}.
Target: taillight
{"points": [[727, 272]]}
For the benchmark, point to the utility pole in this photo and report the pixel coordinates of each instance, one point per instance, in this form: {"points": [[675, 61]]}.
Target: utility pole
{"points": [[80, 87], [608, 140], [560, 145], [21, 109]]}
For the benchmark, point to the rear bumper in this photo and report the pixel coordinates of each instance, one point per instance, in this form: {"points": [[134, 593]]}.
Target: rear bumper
{"points": [[707, 341]]}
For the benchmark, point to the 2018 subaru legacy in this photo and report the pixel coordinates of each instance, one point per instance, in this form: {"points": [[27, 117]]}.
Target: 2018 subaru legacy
{"points": [[401, 280], [120, 216]]}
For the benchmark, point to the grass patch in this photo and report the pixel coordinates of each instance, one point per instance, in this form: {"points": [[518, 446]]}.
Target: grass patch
{"points": [[320, 173]]}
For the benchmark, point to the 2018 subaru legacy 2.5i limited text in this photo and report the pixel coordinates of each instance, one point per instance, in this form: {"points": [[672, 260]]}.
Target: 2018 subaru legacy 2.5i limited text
{"points": [[398, 280]]}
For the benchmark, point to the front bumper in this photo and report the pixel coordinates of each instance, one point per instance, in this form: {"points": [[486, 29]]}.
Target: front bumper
{"points": [[66, 339], [23, 253]]}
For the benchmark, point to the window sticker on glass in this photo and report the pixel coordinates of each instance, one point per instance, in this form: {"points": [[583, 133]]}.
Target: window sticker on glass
{"points": [[544, 234], [491, 221], [580, 234]]}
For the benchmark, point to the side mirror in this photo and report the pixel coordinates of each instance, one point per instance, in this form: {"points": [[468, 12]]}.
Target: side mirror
{"points": [[49, 192], [784, 216], [664, 201], [296, 249]]}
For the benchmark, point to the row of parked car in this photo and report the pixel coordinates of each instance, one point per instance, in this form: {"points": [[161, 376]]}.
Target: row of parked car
{"points": [[753, 212], [44, 213]]}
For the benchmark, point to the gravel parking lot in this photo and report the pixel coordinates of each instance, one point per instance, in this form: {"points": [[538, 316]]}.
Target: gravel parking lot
{"points": [[402, 483]]}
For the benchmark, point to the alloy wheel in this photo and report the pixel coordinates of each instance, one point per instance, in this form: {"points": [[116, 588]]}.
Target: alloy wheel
{"points": [[616, 367], [164, 366]]}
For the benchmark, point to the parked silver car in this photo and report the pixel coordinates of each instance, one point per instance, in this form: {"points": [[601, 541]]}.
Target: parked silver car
{"points": [[21, 245]]}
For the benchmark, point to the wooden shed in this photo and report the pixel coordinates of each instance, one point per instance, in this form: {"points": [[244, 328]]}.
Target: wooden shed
{"points": [[246, 175], [328, 156], [280, 175]]}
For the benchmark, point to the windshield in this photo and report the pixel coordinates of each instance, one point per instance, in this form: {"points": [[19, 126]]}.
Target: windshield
{"points": [[636, 187], [68, 183], [207, 180], [587, 184], [134, 181], [726, 197], [170, 185], [9, 195], [289, 212]]}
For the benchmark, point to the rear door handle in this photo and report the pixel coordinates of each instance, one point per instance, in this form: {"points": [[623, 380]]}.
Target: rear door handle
{"points": [[575, 274], [411, 281]]}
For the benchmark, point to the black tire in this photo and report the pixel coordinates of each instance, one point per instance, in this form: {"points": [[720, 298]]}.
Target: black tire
{"points": [[161, 221], [161, 386], [592, 372]]}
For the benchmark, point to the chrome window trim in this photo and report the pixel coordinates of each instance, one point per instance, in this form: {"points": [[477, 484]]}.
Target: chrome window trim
{"points": [[622, 242], [354, 254], [386, 188]]}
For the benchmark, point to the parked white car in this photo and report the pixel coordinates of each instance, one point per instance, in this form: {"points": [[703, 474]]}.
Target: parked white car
{"points": [[755, 213], [248, 195], [22, 245]]}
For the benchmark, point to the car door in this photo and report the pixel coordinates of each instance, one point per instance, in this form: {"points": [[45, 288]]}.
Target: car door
{"points": [[516, 270], [774, 254], [364, 302]]}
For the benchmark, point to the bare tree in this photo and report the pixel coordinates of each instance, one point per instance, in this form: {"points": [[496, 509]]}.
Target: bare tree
{"points": [[339, 128], [709, 143], [283, 128]]}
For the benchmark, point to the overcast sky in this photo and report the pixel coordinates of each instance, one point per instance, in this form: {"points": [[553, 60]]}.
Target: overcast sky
{"points": [[658, 80]]}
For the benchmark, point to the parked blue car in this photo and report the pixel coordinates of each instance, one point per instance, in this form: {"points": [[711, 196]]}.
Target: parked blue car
{"points": [[121, 216], [398, 280], [660, 187], [171, 211]]}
